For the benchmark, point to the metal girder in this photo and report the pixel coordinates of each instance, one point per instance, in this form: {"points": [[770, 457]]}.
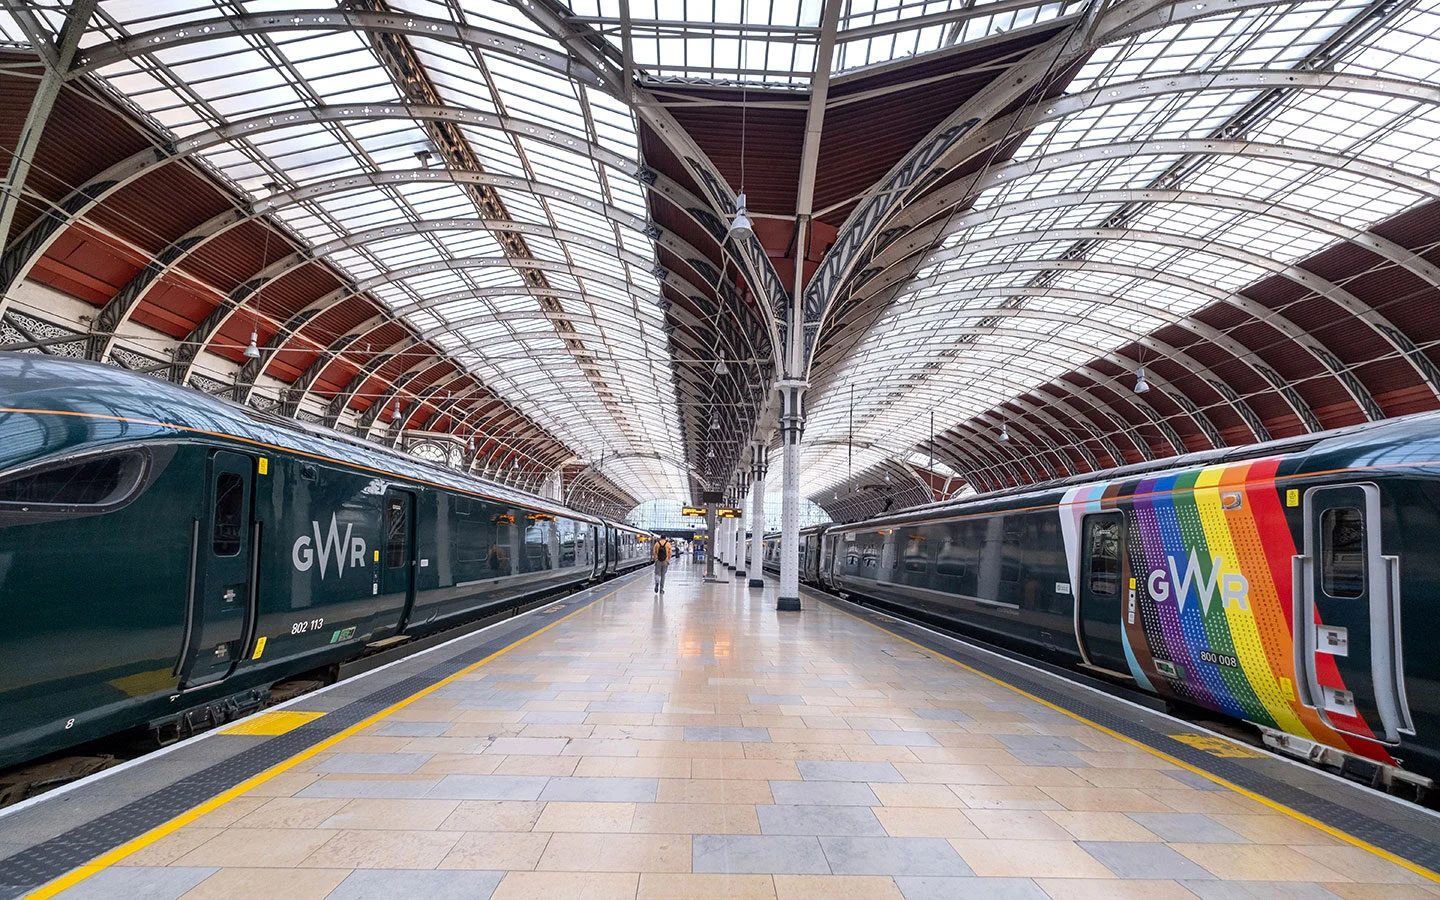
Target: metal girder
{"points": [[397, 384], [199, 30], [341, 401], [1033, 434], [56, 59]]}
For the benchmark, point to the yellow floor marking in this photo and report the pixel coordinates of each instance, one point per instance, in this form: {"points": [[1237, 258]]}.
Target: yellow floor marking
{"points": [[108, 859], [1218, 746], [273, 723], [1264, 801]]}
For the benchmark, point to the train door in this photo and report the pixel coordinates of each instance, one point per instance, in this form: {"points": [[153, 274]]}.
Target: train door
{"points": [[1348, 598], [222, 600], [397, 573], [1098, 615]]}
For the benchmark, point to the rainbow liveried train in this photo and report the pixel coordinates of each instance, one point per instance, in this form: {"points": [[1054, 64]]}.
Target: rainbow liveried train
{"points": [[1293, 584]]}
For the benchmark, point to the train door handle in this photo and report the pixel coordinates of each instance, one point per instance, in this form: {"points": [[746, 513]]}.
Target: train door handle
{"points": [[1302, 620]]}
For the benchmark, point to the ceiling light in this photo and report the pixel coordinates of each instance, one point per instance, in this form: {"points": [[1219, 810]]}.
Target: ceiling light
{"points": [[715, 423], [710, 454], [424, 157], [253, 350], [721, 368], [395, 416], [741, 226], [515, 463], [1004, 431], [1140, 385]]}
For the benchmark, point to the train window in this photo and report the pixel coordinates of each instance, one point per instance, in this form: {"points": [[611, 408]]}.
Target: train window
{"points": [[1103, 572], [229, 514], [1013, 553], [102, 481], [1342, 553], [397, 532]]}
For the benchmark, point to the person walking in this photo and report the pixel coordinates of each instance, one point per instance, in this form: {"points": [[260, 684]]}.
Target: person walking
{"points": [[661, 555]]}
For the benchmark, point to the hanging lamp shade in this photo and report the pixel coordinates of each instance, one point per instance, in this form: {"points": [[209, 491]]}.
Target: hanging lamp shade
{"points": [[1141, 386], [252, 351], [721, 368], [1004, 431], [741, 226]]}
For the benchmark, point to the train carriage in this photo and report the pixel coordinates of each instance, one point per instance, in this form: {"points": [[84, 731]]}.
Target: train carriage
{"points": [[1187, 577], [165, 557]]}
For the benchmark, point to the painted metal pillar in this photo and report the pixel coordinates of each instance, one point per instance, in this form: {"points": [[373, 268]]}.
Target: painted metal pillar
{"points": [[710, 542], [792, 426], [740, 527], [759, 456], [722, 542]]}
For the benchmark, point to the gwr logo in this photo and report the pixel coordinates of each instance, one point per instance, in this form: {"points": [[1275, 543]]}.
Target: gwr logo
{"points": [[305, 551], [1234, 587]]}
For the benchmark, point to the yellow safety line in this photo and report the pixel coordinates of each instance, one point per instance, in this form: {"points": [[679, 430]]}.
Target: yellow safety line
{"points": [[100, 863], [1266, 801]]}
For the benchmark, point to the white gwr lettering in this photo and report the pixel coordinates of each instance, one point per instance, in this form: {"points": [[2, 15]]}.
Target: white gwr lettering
{"points": [[324, 547], [1234, 587]]}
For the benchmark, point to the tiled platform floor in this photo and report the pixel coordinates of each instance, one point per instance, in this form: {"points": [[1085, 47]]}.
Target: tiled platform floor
{"points": [[706, 746]]}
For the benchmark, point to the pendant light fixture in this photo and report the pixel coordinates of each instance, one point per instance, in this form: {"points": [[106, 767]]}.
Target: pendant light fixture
{"points": [[395, 414], [741, 227], [252, 351], [1140, 384], [1004, 431], [721, 368]]}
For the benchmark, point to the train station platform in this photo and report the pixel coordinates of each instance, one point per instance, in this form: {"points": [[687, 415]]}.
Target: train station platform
{"points": [[619, 745]]}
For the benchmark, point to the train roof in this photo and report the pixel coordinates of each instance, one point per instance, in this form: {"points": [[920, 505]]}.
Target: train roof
{"points": [[118, 406], [1339, 445]]}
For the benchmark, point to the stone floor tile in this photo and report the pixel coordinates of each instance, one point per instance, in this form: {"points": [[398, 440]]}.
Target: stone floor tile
{"points": [[1274, 829], [823, 793], [292, 884], [167, 849], [547, 766], [1017, 824], [150, 882], [1106, 799], [606, 790], [669, 886], [758, 854], [695, 818], [493, 815], [943, 888], [382, 850], [819, 820], [1361, 865], [1191, 827], [836, 887], [897, 738], [569, 885], [488, 787], [336, 788], [373, 763], [605, 818], [1259, 890], [1110, 889], [413, 729], [901, 821], [1029, 859], [1145, 860], [823, 770], [617, 853], [892, 856], [713, 790], [725, 733], [1101, 826], [922, 795], [267, 847], [1257, 862]]}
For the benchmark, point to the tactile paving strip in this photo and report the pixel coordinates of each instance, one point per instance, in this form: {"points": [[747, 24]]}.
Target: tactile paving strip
{"points": [[1409, 833], [48, 860]]}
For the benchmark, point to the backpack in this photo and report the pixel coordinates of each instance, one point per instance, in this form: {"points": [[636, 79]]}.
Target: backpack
{"points": [[662, 552]]}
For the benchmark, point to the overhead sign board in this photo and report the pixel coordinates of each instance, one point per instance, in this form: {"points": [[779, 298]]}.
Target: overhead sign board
{"points": [[727, 513], [693, 511]]}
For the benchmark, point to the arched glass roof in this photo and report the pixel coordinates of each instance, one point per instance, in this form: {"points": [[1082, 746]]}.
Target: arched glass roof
{"points": [[448, 164], [1181, 165]]}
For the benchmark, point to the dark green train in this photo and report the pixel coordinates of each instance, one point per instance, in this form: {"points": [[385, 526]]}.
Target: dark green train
{"points": [[166, 557]]}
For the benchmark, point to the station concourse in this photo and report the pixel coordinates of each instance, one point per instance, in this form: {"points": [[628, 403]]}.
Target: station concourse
{"points": [[698, 745]]}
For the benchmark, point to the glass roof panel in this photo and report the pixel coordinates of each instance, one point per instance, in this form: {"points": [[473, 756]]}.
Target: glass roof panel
{"points": [[570, 279], [980, 322]]}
